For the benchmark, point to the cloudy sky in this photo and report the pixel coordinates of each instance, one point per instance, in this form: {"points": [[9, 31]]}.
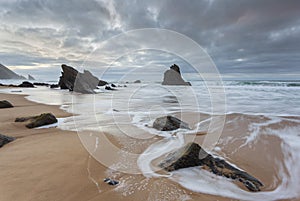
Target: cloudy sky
{"points": [[251, 39]]}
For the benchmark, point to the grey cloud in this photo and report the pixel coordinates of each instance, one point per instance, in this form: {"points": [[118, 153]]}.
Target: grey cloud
{"points": [[241, 36]]}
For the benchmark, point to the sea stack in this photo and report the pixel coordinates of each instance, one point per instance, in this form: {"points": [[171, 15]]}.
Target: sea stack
{"points": [[73, 80], [173, 77]]}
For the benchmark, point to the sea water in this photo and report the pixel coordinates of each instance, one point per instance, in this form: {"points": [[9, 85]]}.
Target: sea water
{"points": [[139, 104]]}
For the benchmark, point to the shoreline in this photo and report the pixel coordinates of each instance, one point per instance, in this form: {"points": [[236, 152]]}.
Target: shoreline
{"points": [[52, 164]]}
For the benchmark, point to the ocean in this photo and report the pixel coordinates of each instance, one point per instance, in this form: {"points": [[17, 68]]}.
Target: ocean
{"points": [[254, 125]]}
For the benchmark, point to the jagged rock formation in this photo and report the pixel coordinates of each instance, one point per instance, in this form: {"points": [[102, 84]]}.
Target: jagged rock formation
{"points": [[5, 140], [169, 123], [5, 73], [5, 104], [173, 77], [30, 77], [37, 121], [68, 77], [193, 155], [84, 82]]}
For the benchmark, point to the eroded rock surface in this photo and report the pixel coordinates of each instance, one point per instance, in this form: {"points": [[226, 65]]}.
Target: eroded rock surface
{"points": [[173, 77], [192, 155], [37, 121]]}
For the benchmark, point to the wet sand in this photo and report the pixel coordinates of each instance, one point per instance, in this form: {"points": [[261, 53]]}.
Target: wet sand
{"points": [[52, 164]]}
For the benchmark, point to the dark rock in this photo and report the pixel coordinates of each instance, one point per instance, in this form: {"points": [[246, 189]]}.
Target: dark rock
{"points": [[5, 104], [5, 140], [102, 83], [68, 77], [37, 121], [26, 84], [125, 85], [173, 77], [111, 181], [192, 155], [113, 85], [30, 77], [52, 86], [109, 88], [40, 84], [79, 82], [137, 81], [169, 123]]}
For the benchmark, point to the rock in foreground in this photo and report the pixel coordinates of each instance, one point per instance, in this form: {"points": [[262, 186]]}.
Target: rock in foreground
{"points": [[173, 77], [169, 123], [5, 140], [193, 155], [5, 104], [37, 121]]}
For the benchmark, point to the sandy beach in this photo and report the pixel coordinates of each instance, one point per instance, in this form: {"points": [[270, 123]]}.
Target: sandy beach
{"points": [[51, 164]]}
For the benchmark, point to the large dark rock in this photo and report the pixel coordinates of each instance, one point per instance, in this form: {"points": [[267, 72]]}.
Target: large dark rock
{"points": [[5, 140], [173, 77], [26, 85], [169, 123], [192, 155], [5, 104], [68, 77], [79, 82], [37, 121]]}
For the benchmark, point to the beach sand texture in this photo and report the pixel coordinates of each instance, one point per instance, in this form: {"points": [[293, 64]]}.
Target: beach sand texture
{"points": [[51, 164]]}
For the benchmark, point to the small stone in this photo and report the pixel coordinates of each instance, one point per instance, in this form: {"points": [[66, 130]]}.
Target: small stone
{"points": [[111, 181]]}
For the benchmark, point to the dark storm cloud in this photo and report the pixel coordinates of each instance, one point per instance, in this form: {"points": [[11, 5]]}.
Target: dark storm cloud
{"points": [[245, 36]]}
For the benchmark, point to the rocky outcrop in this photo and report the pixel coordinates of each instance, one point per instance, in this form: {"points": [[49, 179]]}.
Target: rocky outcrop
{"points": [[86, 83], [173, 77], [37, 121], [5, 140], [169, 123], [5, 104], [68, 77], [73, 80], [102, 83], [26, 85], [5, 73], [192, 155], [30, 77]]}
